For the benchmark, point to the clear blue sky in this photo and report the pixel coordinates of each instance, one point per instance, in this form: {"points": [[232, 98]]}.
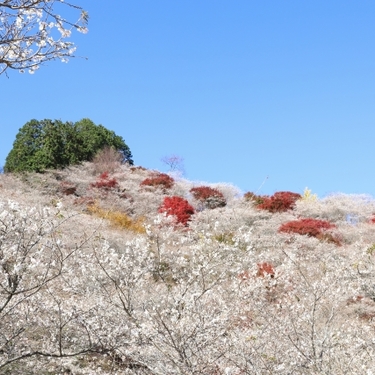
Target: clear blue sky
{"points": [[240, 89]]}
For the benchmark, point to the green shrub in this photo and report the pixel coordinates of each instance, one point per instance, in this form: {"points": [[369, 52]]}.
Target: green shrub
{"points": [[226, 238], [256, 199]]}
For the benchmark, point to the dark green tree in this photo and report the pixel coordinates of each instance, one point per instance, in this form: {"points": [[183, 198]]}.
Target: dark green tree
{"points": [[48, 144]]}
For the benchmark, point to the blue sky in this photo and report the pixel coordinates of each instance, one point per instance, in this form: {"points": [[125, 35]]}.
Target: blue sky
{"points": [[243, 90]]}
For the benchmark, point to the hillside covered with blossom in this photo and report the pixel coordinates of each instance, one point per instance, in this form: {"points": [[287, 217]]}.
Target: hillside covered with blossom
{"points": [[108, 268]]}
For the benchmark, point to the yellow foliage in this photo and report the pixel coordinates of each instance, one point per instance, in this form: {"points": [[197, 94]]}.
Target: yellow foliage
{"points": [[307, 196], [371, 249], [225, 238], [118, 218]]}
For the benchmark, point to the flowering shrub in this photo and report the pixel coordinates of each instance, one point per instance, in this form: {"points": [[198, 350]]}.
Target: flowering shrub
{"points": [[178, 207], [209, 197], [159, 180], [104, 182], [312, 228], [279, 202]]}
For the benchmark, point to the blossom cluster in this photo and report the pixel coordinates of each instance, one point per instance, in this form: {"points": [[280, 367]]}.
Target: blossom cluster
{"points": [[31, 33]]}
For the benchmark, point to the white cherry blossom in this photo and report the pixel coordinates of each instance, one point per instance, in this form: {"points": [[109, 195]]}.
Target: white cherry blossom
{"points": [[28, 36]]}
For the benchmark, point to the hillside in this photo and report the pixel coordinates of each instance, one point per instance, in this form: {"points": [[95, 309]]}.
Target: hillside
{"points": [[95, 280]]}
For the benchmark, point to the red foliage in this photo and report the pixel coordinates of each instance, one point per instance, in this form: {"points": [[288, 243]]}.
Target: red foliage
{"points": [[367, 315], [312, 228], [265, 269], [104, 182], [178, 207], [309, 227], [355, 299], [67, 188], [210, 197], [159, 180], [279, 202]]}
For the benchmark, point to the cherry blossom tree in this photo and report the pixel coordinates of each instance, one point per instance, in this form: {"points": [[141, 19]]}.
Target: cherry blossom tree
{"points": [[34, 31], [230, 295], [38, 271]]}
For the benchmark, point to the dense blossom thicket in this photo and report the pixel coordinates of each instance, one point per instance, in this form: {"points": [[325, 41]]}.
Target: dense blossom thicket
{"points": [[96, 290], [47, 144], [33, 32]]}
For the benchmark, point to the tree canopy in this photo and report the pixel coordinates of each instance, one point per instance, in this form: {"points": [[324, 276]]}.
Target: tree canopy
{"points": [[32, 32], [49, 144]]}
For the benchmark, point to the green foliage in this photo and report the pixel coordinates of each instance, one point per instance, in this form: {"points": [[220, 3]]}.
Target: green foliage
{"points": [[225, 238], [371, 249], [48, 144], [256, 199]]}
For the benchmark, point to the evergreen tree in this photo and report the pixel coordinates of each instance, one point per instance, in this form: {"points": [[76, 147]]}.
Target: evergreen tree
{"points": [[48, 144]]}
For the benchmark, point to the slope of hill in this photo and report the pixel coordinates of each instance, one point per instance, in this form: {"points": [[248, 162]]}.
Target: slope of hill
{"points": [[95, 280]]}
